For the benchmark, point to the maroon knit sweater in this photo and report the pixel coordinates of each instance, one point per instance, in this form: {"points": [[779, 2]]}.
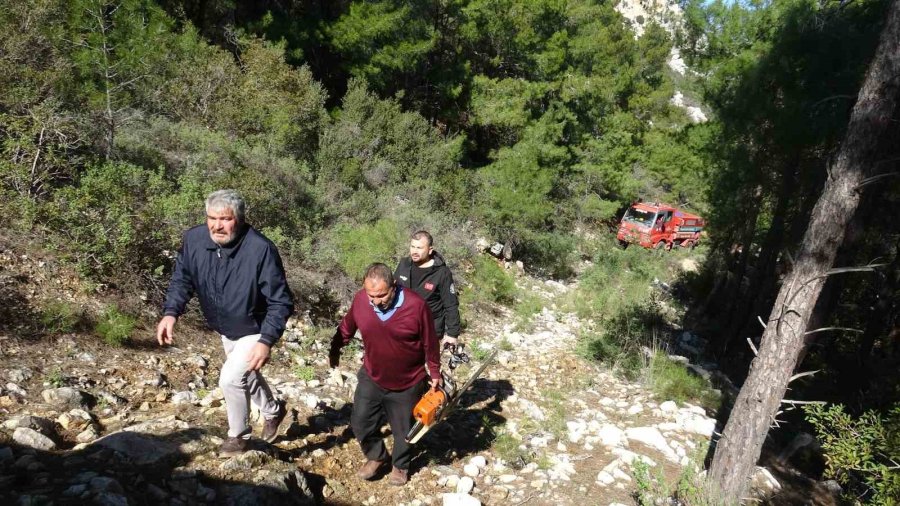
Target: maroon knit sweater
{"points": [[396, 349]]}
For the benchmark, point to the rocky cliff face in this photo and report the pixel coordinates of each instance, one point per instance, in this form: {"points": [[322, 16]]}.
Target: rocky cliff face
{"points": [[668, 14]]}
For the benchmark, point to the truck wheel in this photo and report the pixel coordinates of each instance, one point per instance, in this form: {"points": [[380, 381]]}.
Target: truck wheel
{"points": [[661, 245], [689, 244], [623, 244]]}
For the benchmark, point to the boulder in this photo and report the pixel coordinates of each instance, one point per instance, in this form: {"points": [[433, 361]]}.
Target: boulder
{"points": [[651, 437], [43, 425], [763, 485], [465, 485], [19, 375], [33, 439], [66, 398]]}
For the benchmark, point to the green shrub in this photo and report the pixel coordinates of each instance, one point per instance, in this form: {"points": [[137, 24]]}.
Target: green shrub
{"points": [[109, 219], [115, 327], [670, 380], [60, 317], [623, 337], [550, 254], [627, 361], [861, 453], [359, 246], [491, 283]]}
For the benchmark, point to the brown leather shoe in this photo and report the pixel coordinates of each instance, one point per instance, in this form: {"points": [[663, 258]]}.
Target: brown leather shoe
{"points": [[399, 477], [233, 446], [369, 469], [270, 427]]}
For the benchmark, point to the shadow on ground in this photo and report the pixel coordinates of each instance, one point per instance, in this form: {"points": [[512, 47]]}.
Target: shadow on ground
{"points": [[143, 469]]}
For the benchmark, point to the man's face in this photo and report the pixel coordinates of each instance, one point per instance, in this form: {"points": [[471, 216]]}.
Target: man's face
{"points": [[419, 250], [380, 293], [222, 225]]}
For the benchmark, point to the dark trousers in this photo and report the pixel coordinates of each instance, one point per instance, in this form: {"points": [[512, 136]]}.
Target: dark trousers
{"points": [[371, 405]]}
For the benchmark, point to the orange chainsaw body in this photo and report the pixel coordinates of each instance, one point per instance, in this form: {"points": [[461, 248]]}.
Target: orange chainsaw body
{"points": [[429, 406]]}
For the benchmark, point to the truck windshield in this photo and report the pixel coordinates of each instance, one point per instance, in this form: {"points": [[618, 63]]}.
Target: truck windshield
{"points": [[635, 215]]}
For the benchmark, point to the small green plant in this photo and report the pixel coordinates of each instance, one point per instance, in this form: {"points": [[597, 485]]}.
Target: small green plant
{"points": [[646, 491], [556, 414], [60, 317], [544, 462], [527, 306], [304, 372], [56, 378], [505, 345], [508, 448], [477, 350], [115, 327], [688, 488]]}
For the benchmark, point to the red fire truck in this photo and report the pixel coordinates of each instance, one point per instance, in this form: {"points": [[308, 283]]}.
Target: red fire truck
{"points": [[660, 226]]}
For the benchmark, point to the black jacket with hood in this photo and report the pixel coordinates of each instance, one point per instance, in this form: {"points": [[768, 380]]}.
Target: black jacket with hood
{"points": [[437, 288]]}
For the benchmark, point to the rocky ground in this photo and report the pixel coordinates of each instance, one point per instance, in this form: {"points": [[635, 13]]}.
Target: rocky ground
{"points": [[87, 423]]}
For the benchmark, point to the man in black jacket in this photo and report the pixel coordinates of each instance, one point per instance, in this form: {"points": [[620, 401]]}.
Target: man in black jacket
{"points": [[425, 271], [240, 282]]}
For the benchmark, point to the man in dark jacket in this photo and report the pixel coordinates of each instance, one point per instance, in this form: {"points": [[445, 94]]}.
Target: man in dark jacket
{"points": [[240, 282], [398, 338], [426, 273]]}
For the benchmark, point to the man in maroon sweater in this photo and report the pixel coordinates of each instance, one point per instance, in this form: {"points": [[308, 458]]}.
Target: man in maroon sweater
{"points": [[399, 339]]}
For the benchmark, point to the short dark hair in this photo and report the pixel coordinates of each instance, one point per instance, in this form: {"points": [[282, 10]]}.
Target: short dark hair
{"points": [[422, 234], [379, 272]]}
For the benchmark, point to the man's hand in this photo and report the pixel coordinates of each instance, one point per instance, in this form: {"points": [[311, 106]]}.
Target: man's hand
{"points": [[334, 356], [436, 383], [259, 355], [449, 341], [165, 330]]}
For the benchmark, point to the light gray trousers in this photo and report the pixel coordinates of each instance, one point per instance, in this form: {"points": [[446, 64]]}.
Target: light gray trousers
{"points": [[240, 386]]}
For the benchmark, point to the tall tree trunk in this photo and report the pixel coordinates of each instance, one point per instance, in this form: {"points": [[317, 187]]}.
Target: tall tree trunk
{"points": [[764, 270], [757, 404]]}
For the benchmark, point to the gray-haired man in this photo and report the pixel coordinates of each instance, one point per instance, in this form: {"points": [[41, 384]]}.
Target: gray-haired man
{"points": [[240, 282]]}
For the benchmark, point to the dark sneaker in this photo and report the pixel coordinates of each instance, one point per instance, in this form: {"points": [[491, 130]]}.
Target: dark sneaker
{"points": [[369, 469], [270, 427], [399, 477], [233, 446]]}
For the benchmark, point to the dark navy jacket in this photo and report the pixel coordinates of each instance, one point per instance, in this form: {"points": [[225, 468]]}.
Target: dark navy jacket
{"points": [[242, 288]]}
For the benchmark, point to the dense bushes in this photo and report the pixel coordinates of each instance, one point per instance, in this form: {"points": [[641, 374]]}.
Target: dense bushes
{"points": [[861, 453]]}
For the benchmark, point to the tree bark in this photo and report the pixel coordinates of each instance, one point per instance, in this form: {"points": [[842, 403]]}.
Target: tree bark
{"points": [[758, 403]]}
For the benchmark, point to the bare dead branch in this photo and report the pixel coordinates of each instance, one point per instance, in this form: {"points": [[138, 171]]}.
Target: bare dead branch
{"points": [[832, 98], [761, 322], [802, 374], [870, 180], [826, 329], [792, 401], [831, 272], [752, 347]]}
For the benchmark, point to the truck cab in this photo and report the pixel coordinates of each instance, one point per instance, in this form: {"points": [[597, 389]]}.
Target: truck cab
{"points": [[659, 226]]}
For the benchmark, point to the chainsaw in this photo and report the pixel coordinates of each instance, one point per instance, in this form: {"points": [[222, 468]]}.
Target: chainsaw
{"points": [[437, 404]]}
